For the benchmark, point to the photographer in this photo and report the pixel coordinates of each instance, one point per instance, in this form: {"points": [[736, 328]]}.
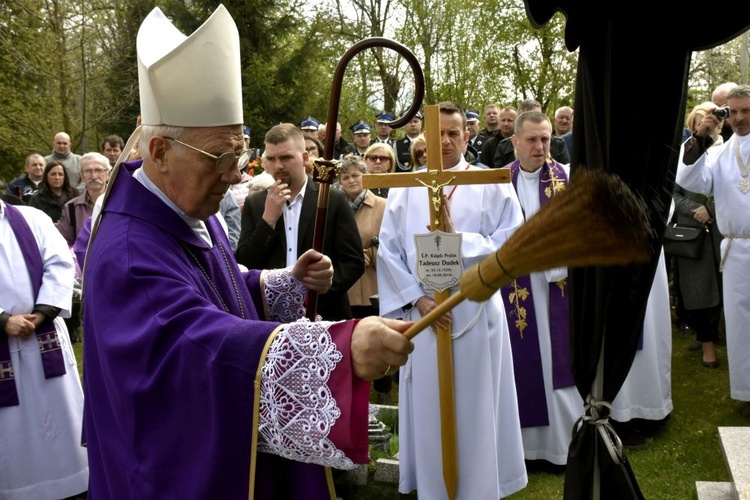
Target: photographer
{"points": [[697, 280], [719, 97], [724, 171]]}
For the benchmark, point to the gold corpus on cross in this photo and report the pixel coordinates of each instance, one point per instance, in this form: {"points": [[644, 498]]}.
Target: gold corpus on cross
{"points": [[434, 178], [437, 197]]}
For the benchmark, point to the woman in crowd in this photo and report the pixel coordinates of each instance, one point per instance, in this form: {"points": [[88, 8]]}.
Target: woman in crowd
{"points": [[699, 279], [54, 191], [419, 152], [368, 213], [314, 150], [380, 159]]}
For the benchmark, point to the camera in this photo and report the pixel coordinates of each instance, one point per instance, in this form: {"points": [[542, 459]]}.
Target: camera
{"points": [[721, 113]]}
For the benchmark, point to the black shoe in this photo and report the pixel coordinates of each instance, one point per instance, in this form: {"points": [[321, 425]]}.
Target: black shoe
{"points": [[695, 345], [710, 364], [745, 410]]}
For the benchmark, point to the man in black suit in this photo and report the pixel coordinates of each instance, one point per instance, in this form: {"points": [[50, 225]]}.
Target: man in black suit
{"points": [[278, 224]]}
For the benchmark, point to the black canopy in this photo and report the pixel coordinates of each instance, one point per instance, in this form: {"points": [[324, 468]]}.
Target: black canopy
{"points": [[631, 90]]}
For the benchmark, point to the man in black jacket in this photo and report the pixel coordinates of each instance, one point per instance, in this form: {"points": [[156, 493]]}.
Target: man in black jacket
{"points": [[505, 154], [278, 224]]}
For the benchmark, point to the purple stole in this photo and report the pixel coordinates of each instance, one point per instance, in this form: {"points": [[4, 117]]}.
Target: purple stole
{"points": [[524, 336], [49, 343]]}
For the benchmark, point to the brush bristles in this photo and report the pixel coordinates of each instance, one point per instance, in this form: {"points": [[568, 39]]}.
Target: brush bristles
{"points": [[596, 221]]}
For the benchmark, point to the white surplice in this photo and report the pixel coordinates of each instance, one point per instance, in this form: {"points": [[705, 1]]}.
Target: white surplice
{"points": [[718, 172], [41, 456], [647, 390], [490, 450], [565, 405]]}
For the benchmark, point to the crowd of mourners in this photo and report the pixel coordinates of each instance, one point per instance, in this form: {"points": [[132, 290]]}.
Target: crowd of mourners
{"points": [[269, 221]]}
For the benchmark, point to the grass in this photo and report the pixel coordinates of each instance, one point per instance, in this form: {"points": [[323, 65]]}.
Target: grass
{"points": [[684, 451]]}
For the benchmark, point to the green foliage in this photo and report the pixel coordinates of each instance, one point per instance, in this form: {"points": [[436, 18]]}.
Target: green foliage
{"points": [[72, 66]]}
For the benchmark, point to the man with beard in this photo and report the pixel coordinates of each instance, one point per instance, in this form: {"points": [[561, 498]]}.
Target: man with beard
{"points": [[278, 224]]}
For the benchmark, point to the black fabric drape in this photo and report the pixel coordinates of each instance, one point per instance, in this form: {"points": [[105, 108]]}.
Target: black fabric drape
{"points": [[631, 89]]}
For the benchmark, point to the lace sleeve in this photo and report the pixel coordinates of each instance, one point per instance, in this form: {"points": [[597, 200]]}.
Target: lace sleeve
{"points": [[297, 409], [285, 296]]}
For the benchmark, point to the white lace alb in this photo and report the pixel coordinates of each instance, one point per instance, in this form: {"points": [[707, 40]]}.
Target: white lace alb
{"points": [[284, 295], [297, 409]]}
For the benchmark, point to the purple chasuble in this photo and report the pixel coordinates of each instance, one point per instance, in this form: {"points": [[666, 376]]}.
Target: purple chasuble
{"points": [[49, 343], [189, 313], [519, 307]]}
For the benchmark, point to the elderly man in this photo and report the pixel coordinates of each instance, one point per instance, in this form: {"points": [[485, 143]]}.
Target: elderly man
{"points": [[200, 382], [95, 174], [723, 171], [62, 154], [25, 186], [563, 120]]}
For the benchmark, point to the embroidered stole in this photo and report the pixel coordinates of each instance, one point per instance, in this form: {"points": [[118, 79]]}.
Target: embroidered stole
{"points": [[519, 307], [49, 343]]}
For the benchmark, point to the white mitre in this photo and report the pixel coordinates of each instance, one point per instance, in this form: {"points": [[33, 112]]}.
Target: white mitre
{"points": [[190, 81]]}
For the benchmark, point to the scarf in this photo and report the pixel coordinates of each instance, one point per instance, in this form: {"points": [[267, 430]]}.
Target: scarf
{"points": [[356, 202]]}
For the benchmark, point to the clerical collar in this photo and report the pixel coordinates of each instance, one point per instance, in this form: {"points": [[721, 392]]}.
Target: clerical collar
{"points": [[197, 225], [461, 165]]}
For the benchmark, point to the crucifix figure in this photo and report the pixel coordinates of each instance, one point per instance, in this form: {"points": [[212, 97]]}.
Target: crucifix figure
{"points": [[437, 195], [425, 241]]}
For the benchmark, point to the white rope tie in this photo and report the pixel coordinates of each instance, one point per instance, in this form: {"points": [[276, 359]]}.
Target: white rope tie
{"points": [[594, 410]]}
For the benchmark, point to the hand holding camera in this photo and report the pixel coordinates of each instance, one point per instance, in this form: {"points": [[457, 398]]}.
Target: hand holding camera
{"points": [[721, 112]]}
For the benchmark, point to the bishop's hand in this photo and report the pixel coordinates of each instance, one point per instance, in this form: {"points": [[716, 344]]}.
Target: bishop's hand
{"points": [[314, 270]]}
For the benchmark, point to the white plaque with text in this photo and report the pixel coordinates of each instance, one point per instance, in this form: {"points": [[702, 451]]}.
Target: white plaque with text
{"points": [[439, 259]]}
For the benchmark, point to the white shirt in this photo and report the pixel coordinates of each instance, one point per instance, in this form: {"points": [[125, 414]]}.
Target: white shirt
{"points": [[291, 212]]}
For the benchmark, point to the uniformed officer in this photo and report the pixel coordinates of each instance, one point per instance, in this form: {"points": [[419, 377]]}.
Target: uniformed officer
{"points": [[402, 147]]}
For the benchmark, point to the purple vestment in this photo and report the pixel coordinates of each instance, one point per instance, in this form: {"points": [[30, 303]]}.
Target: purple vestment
{"points": [[519, 306], [49, 343], [173, 344]]}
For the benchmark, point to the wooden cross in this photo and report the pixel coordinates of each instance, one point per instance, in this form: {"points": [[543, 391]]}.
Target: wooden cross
{"points": [[434, 178]]}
